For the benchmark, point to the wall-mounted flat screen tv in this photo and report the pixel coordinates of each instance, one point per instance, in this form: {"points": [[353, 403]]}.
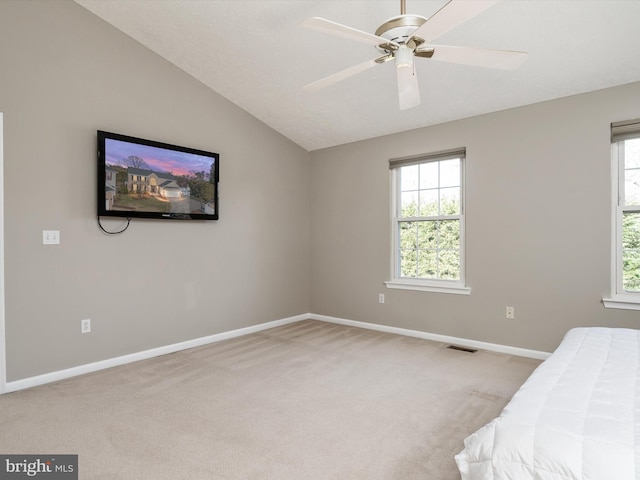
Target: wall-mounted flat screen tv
{"points": [[140, 178]]}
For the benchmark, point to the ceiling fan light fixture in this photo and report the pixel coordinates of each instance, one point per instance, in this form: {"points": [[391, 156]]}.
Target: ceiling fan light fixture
{"points": [[404, 57]]}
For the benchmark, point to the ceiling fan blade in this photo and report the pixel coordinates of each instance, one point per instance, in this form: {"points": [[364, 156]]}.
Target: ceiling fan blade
{"points": [[479, 57], [450, 16], [336, 77], [333, 28], [408, 89]]}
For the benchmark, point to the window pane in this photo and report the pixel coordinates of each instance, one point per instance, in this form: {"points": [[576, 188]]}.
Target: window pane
{"points": [[632, 187], [409, 204], [632, 153], [409, 177], [449, 237], [408, 235], [449, 265], [450, 173], [408, 263], [631, 231], [450, 201], [427, 264], [429, 175], [427, 234], [631, 251], [631, 270], [428, 203]]}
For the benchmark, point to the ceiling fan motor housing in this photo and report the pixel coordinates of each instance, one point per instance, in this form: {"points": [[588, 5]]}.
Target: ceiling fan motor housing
{"points": [[399, 29]]}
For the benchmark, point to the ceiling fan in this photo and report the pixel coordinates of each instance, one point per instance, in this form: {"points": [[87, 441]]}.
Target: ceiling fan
{"points": [[407, 36]]}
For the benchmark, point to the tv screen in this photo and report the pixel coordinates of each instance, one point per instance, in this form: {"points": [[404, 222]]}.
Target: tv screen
{"points": [[140, 178]]}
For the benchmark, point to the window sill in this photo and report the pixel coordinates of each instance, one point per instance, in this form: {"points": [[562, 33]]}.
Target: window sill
{"points": [[623, 302], [454, 288]]}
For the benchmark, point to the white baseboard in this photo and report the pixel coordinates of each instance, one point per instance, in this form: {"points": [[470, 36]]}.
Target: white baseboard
{"points": [[464, 342], [154, 352], [197, 342]]}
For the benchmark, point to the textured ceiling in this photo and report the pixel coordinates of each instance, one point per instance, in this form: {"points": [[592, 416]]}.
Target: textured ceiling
{"points": [[256, 54]]}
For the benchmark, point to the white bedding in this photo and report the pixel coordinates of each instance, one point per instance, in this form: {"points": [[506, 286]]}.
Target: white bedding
{"points": [[576, 417]]}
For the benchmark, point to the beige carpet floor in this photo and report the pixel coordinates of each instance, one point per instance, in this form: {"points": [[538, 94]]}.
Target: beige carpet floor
{"points": [[309, 400]]}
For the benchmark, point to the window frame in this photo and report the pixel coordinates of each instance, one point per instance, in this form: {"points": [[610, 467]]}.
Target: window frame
{"points": [[620, 298], [423, 284]]}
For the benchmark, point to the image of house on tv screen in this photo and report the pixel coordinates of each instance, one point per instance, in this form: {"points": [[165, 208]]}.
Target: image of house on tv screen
{"points": [[141, 178]]}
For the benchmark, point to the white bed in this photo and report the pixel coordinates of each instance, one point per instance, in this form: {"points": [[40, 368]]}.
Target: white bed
{"points": [[576, 417]]}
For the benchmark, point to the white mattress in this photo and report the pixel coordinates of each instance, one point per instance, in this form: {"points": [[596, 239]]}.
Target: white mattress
{"points": [[576, 417]]}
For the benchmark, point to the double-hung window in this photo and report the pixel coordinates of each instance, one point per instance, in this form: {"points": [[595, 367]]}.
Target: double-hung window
{"points": [[428, 222], [625, 167]]}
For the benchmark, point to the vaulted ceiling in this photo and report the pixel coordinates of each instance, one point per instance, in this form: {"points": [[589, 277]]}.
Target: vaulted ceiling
{"points": [[256, 54]]}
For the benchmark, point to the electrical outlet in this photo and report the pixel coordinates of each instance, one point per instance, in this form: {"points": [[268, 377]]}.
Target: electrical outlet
{"points": [[510, 313], [381, 297], [85, 325], [51, 237]]}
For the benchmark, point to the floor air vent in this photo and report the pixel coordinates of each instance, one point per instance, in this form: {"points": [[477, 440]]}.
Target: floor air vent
{"points": [[462, 349]]}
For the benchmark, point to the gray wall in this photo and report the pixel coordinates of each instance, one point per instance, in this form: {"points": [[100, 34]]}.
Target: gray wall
{"points": [[65, 74], [538, 224]]}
